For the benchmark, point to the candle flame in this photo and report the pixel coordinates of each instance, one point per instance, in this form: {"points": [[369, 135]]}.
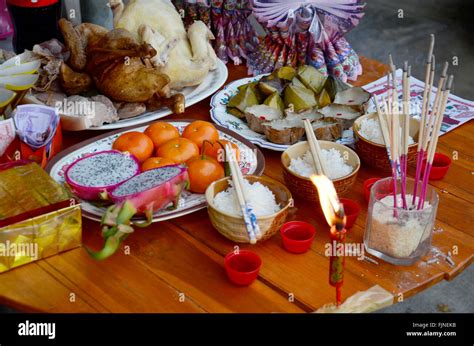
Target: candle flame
{"points": [[332, 208]]}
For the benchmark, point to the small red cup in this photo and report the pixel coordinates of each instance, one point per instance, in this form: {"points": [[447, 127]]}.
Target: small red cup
{"points": [[243, 267], [368, 185], [351, 210], [297, 236], [440, 166]]}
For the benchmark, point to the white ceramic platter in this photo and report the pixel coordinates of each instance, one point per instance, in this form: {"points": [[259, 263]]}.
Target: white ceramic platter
{"points": [[220, 116], [213, 81], [252, 162]]}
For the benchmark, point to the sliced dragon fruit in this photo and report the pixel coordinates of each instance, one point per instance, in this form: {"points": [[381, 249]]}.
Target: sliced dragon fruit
{"points": [[144, 193], [97, 174], [152, 190]]}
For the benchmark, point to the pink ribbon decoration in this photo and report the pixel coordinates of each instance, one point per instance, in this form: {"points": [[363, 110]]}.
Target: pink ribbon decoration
{"points": [[345, 14]]}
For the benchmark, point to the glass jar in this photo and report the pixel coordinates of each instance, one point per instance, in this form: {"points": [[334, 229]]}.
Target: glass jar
{"points": [[396, 235]]}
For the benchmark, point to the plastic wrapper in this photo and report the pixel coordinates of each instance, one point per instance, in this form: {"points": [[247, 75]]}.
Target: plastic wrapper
{"points": [[204, 12], [191, 12], [234, 36], [33, 133], [38, 216], [309, 33]]}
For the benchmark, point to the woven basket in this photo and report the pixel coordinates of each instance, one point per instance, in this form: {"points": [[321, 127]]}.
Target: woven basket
{"points": [[375, 155], [233, 227], [303, 187]]}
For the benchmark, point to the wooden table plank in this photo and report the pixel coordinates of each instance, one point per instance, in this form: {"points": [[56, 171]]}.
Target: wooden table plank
{"points": [[30, 288], [185, 255], [304, 276], [197, 271]]}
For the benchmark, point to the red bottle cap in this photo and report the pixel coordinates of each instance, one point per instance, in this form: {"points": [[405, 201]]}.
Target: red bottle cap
{"points": [[32, 3]]}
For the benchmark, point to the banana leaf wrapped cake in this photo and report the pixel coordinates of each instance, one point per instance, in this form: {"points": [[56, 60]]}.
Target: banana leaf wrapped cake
{"points": [[38, 217]]}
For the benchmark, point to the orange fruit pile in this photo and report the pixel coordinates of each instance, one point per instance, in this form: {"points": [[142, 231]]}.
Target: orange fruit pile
{"points": [[199, 148]]}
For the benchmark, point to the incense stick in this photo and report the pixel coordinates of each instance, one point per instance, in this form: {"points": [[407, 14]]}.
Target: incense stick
{"points": [[405, 133], [441, 85], [383, 126], [434, 139], [425, 104]]}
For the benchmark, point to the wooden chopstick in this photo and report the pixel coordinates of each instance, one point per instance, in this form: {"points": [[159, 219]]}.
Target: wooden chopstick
{"points": [[248, 214], [315, 149]]}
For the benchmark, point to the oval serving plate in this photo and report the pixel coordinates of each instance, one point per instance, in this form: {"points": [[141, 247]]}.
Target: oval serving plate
{"points": [[220, 116], [252, 162], [213, 81]]}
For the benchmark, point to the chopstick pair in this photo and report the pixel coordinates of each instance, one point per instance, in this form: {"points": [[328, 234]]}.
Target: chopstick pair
{"points": [[315, 149], [250, 219]]}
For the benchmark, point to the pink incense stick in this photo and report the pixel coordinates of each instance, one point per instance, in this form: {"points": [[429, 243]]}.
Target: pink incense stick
{"points": [[419, 160], [425, 105], [403, 164], [434, 141]]}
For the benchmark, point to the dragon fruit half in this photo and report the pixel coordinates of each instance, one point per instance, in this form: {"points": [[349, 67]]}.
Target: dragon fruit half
{"points": [[144, 193], [96, 175]]}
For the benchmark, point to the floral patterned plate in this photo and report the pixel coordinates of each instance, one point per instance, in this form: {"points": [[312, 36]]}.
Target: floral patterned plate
{"points": [[220, 116], [252, 162]]}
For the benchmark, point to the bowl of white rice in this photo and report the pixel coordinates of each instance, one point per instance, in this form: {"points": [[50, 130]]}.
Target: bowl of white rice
{"points": [[270, 201], [370, 145], [342, 165]]}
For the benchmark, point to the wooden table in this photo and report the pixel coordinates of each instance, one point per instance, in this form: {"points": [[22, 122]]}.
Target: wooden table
{"points": [[177, 266]]}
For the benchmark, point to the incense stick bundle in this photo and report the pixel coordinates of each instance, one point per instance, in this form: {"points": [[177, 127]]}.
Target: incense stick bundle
{"points": [[250, 219], [434, 136], [441, 86], [396, 130], [425, 105]]}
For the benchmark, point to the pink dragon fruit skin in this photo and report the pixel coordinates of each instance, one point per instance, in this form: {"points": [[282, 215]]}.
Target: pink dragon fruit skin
{"points": [[145, 193], [93, 175], [152, 190]]}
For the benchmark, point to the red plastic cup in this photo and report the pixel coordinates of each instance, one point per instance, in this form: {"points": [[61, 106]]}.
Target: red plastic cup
{"points": [[440, 166], [351, 210], [368, 185], [297, 236], [243, 267]]}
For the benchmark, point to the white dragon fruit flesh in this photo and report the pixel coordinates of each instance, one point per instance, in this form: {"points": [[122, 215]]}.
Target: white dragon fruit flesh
{"points": [[97, 174], [152, 190]]}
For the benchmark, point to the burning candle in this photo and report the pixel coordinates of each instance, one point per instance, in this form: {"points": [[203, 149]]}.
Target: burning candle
{"points": [[335, 217]]}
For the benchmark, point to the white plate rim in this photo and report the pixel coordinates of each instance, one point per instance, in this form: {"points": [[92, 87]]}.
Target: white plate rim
{"points": [[217, 77], [58, 162], [216, 107]]}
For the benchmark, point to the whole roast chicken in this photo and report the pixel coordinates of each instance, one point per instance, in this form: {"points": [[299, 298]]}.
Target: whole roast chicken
{"points": [[116, 64], [185, 57]]}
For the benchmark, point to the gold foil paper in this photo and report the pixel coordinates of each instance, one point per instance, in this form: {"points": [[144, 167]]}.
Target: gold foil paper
{"points": [[26, 188]]}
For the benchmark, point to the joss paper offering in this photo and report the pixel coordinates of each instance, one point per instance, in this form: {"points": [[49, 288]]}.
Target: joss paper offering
{"points": [[38, 216]]}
